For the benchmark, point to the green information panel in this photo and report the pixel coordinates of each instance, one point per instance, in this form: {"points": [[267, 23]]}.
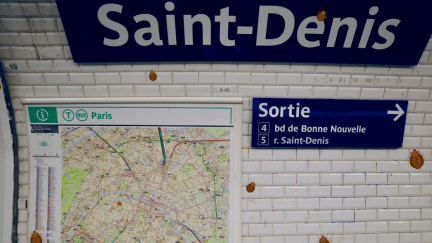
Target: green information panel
{"points": [[43, 114]]}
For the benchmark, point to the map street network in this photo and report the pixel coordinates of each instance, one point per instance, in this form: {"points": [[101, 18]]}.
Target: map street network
{"points": [[145, 184]]}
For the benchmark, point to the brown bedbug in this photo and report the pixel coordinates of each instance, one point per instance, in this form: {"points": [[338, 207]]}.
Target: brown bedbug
{"points": [[416, 159], [250, 187], [322, 15], [323, 239], [35, 238], [153, 76]]}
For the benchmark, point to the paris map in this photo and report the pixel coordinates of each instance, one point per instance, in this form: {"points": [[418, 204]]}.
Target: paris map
{"points": [[145, 184]]}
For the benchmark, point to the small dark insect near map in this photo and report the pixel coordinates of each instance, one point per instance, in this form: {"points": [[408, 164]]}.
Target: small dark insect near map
{"points": [[35, 238], [250, 187], [416, 159]]}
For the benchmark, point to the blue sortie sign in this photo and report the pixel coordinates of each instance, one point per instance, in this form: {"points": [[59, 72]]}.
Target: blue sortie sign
{"points": [[328, 123], [355, 32]]}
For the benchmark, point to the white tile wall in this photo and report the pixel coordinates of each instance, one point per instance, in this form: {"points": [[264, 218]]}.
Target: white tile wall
{"points": [[353, 196]]}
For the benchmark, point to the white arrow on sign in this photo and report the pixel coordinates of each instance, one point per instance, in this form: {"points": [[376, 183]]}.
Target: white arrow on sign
{"points": [[399, 112]]}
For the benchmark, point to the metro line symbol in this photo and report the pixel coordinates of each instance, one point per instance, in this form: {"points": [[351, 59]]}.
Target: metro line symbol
{"points": [[68, 115]]}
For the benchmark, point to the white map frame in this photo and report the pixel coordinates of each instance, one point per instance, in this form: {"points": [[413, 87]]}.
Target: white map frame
{"points": [[235, 103]]}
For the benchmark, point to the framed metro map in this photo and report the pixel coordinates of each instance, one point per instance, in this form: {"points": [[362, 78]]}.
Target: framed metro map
{"points": [[98, 180]]}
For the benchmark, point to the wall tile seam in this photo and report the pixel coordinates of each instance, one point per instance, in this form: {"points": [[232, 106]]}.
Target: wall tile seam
{"points": [[7, 6], [24, 10], [22, 17], [155, 83], [33, 32], [364, 199], [342, 173], [361, 97], [231, 71], [36, 46], [397, 76], [65, 84], [303, 74], [38, 16], [346, 224], [338, 172], [2, 26], [369, 237], [264, 64], [37, 5], [358, 237], [383, 186], [262, 86], [219, 70], [326, 222], [32, 17]]}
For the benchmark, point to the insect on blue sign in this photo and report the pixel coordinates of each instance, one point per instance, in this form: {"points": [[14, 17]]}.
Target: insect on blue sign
{"points": [[328, 123]]}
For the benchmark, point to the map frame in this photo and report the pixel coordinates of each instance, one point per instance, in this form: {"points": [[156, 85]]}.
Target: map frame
{"points": [[235, 172]]}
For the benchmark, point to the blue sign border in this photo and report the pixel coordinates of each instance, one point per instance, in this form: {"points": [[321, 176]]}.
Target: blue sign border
{"points": [[86, 33], [328, 123]]}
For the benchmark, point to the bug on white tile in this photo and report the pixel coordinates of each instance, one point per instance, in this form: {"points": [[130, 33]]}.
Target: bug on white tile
{"points": [[416, 159], [153, 76], [250, 187], [323, 239]]}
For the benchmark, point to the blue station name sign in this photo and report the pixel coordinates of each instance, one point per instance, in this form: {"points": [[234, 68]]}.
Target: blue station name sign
{"points": [[328, 123], [354, 32]]}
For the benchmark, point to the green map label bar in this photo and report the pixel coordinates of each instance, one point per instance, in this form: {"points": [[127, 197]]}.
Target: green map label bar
{"points": [[201, 115]]}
